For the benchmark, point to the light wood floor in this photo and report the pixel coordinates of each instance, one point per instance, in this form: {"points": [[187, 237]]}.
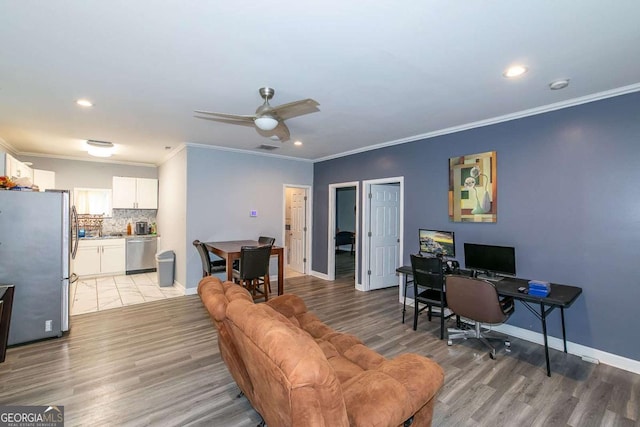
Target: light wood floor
{"points": [[158, 364]]}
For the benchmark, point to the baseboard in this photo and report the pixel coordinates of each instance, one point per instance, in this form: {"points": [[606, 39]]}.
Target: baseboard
{"points": [[572, 348], [319, 275], [557, 344]]}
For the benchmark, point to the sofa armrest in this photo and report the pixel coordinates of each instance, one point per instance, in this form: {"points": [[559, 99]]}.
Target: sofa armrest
{"points": [[393, 392]]}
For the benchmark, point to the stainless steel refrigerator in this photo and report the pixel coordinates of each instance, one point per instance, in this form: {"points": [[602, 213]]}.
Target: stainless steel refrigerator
{"points": [[38, 238]]}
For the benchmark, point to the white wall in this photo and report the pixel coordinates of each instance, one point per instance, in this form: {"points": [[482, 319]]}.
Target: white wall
{"points": [[224, 186], [172, 210]]}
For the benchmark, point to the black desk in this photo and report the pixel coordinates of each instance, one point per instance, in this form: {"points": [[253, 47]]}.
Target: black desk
{"points": [[561, 296]]}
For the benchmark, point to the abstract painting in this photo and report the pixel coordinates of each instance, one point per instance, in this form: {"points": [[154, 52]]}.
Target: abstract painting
{"points": [[473, 188]]}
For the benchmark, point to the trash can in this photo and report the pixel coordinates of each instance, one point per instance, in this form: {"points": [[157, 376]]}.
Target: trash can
{"points": [[165, 263]]}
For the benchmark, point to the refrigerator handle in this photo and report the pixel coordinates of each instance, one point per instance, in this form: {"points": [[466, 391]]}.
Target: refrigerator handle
{"points": [[74, 227]]}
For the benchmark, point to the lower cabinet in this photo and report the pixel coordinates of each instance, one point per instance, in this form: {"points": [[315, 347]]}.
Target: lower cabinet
{"points": [[100, 256]]}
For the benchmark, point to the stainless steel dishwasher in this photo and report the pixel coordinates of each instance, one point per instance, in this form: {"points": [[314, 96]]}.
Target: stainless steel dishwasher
{"points": [[141, 253]]}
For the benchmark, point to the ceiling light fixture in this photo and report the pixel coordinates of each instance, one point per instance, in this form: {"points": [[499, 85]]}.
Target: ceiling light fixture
{"points": [[298, 143], [559, 84], [266, 122], [100, 148], [515, 71], [84, 103]]}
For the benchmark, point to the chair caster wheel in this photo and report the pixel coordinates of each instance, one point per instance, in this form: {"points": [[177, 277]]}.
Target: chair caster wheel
{"points": [[492, 355], [449, 342]]}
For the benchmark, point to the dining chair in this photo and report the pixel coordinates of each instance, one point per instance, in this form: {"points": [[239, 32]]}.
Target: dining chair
{"points": [[428, 289], [253, 270], [209, 266]]}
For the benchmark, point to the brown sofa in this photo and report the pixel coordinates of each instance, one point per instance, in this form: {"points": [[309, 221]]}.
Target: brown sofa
{"points": [[297, 371]]}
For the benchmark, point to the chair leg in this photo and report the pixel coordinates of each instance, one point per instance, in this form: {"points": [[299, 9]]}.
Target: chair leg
{"points": [[415, 315], [267, 287]]}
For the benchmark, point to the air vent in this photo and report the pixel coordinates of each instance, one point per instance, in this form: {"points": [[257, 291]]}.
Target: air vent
{"points": [[267, 147]]}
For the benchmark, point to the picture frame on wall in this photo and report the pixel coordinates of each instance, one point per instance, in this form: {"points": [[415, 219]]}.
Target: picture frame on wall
{"points": [[473, 188]]}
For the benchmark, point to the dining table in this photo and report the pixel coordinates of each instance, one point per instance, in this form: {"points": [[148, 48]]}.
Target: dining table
{"points": [[230, 251]]}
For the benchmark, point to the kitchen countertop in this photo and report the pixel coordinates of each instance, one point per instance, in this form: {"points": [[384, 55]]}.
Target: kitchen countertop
{"points": [[118, 236]]}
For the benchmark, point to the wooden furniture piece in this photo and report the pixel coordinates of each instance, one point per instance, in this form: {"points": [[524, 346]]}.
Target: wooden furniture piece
{"points": [[6, 302], [253, 270], [230, 251], [208, 266], [560, 296]]}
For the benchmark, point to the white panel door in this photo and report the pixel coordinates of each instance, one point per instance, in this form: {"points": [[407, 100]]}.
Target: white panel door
{"points": [[297, 231], [384, 237]]}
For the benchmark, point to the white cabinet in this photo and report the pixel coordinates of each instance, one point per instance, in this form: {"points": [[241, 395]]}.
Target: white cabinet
{"points": [[100, 256], [135, 193], [14, 168]]}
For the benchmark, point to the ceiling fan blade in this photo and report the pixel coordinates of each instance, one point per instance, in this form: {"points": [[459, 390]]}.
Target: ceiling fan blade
{"points": [[296, 108], [228, 121], [282, 132], [237, 117]]}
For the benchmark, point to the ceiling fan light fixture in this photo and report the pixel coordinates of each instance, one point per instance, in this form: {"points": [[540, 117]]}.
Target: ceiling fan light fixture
{"points": [[266, 122], [100, 148], [515, 71]]}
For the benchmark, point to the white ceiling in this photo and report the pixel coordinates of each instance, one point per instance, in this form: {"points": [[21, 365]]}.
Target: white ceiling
{"points": [[382, 71]]}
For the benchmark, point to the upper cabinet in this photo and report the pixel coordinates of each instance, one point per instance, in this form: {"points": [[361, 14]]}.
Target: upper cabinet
{"points": [[135, 193], [14, 168]]}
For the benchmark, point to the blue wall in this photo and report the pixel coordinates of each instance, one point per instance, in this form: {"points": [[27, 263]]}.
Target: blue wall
{"points": [[567, 200]]}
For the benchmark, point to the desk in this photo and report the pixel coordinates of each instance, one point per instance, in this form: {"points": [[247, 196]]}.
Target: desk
{"points": [[561, 296], [230, 251]]}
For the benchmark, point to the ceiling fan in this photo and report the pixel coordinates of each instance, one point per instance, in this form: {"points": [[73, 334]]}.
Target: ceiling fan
{"points": [[268, 121]]}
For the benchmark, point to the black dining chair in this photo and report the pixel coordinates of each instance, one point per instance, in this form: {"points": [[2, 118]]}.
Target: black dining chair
{"points": [[253, 270], [264, 240], [428, 286], [209, 266]]}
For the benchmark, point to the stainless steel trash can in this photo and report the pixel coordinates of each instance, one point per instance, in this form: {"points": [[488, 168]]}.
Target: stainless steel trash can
{"points": [[165, 264]]}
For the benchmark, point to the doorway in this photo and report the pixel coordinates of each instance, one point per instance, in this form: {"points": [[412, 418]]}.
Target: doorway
{"points": [[383, 225], [343, 250], [296, 230]]}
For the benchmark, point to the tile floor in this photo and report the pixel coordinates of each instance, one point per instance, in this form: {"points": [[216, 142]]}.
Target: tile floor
{"points": [[103, 293]]}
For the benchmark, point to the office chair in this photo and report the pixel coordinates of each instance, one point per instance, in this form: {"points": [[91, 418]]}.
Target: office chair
{"points": [[253, 270], [477, 300], [209, 266], [428, 289]]}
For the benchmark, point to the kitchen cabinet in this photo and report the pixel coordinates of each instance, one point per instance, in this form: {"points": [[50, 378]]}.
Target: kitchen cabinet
{"points": [[45, 180], [14, 168], [100, 256], [135, 193]]}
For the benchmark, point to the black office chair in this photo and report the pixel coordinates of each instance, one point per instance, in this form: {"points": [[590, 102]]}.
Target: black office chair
{"points": [[478, 301], [209, 266], [253, 270], [428, 289]]}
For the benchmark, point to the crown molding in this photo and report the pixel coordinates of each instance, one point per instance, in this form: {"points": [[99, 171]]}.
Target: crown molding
{"points": [[243, 151], [494, 120], [79, 159]]}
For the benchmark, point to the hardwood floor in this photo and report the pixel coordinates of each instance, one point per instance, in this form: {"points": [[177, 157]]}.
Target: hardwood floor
{"points": [[158, 364]]}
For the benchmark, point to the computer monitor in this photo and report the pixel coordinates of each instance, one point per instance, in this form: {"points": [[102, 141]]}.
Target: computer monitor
{"points": [[490, 259], [436, 242]]}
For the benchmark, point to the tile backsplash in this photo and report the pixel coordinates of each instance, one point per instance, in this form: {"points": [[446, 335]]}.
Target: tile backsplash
{"points": [[121, 217]]}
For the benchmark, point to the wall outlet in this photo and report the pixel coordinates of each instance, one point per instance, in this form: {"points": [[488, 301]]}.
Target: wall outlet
{"points": [[48, 325]]}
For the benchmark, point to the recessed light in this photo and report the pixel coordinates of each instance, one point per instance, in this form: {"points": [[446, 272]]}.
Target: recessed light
{"points": [[298, 143], [515, 71], [84, 103], [559, 84]]}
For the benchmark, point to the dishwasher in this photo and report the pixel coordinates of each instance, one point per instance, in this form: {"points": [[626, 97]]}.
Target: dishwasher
{"points": [[141, 253]]}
